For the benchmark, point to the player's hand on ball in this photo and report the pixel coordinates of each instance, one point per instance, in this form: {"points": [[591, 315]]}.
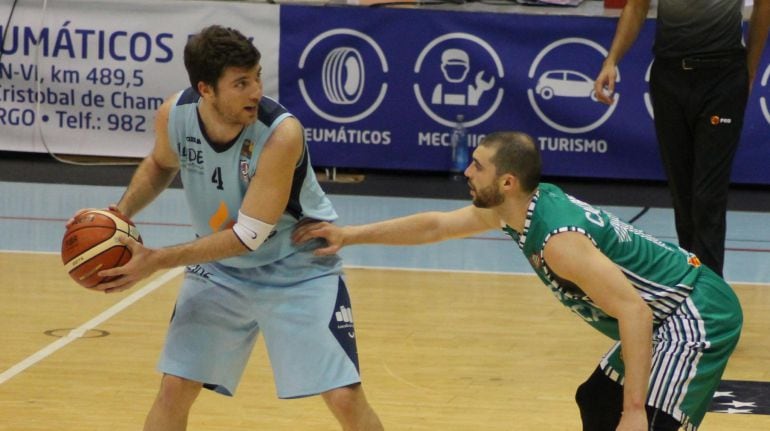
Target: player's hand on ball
{"points": [[91, 243], [332, 234], [138, 268]]}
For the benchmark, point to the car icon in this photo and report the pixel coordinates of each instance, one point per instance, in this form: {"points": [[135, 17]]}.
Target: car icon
{"points": [[565, 83]]}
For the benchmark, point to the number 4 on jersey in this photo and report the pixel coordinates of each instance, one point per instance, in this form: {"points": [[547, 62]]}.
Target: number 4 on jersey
{"points": [[216, 177]]}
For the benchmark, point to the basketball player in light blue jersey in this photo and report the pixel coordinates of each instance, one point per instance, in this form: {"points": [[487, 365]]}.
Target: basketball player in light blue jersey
{"points": [[248, 181], [676, 322]]}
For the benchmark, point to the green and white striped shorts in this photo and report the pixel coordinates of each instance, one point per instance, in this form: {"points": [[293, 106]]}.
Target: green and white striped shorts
{"points": [[690, 351]]}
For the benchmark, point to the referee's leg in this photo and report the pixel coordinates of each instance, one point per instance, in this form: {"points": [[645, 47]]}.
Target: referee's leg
{"points": [[717, 134], [669, 88]]}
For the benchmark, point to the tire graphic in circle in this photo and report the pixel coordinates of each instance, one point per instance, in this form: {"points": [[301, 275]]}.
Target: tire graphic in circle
{"points": [[343, 76]]}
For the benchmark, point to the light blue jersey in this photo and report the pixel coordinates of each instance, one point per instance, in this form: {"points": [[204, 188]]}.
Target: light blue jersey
{"points": [[216, 178], [299, 301]]}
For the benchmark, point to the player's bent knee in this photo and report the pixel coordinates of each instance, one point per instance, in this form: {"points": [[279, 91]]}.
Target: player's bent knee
{"points": [[600, 401], [345, 399], [599, 389], [349, 406], [175, 390], [348, 403]]}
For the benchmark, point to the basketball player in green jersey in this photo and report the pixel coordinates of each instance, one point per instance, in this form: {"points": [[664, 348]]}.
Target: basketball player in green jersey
{"points": [[675, 320]]}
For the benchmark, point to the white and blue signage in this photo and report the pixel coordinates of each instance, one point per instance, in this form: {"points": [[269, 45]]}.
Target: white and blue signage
{"points": [[382, 88]]}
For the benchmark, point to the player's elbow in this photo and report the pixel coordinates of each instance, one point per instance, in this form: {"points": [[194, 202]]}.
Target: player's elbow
{"points": [[162, 165], [640, 312]]}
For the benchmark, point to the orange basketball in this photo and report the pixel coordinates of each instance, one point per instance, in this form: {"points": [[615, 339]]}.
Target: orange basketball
{"points": [[91, 244]]}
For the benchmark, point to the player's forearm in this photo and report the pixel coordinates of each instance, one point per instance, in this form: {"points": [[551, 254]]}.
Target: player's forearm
{"points": [[636, 341], [149, 180], [421, 228], [217, 246], [630, 23]]}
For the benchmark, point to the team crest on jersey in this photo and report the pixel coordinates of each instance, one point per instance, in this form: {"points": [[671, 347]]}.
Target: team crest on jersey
{"points": [[247, 150], [534, 259], [244, 169], [693, 260]]}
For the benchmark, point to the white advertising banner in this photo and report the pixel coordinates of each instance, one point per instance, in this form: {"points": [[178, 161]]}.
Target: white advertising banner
{"points": [[85, 77]]}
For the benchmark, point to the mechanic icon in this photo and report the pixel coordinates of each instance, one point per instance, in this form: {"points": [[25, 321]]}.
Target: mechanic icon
{"points": [[455, 65]]}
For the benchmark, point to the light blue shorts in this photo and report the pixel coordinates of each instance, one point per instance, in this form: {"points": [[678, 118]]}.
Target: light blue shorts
{"points": [[302, 309]]}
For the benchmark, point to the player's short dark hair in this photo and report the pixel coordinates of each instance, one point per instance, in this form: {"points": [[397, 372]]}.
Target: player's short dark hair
{"points": [[516, 153], [209, 52]]}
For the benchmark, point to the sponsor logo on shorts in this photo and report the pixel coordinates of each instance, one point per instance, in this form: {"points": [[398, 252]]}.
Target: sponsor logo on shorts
{"points": [[345, 320], [717, 120], [344, 315], [341, 323]]}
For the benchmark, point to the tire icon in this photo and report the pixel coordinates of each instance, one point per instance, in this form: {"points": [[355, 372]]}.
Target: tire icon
{"points": [[546, 93], [343, 76]]}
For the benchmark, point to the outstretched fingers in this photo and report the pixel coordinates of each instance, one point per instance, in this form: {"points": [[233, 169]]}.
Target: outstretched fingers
{"points": [[325, 230]]}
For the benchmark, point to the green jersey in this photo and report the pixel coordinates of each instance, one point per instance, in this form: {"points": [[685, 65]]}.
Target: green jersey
{"points": [[662, 273]]}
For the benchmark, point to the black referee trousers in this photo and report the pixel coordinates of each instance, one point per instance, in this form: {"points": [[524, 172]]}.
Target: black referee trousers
{"points": [[699, 107]]}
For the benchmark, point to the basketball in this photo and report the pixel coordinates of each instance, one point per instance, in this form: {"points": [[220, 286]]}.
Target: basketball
{"points": [[92, 244]]}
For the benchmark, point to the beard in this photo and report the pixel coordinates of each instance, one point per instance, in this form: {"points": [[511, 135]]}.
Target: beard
{"points": [[230, 116], [488, 197]]}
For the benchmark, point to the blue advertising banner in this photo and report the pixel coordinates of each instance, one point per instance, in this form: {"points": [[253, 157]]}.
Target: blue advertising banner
{"points": [[382, 88]]}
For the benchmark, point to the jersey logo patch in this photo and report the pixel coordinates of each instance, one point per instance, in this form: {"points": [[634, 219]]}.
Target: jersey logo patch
{"points": [[534, 259], [218, 219], [247, 150]]}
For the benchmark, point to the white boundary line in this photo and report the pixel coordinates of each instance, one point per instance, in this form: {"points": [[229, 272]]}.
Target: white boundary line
{"points": [[91, 324]]}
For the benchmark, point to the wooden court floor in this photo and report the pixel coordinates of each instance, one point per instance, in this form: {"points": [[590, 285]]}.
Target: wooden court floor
{"points": [[439, 351]]}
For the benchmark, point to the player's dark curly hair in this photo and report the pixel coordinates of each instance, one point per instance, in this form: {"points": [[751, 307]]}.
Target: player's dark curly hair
{"points": [[215, 48], [516, 153]]}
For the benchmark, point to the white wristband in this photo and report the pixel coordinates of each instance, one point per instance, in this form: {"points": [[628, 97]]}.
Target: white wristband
{"points": [[250, 231]]}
